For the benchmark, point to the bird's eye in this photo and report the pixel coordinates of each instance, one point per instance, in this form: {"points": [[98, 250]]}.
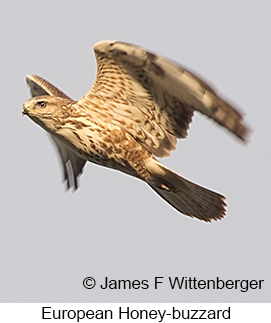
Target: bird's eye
{"points": [[42, 104]]}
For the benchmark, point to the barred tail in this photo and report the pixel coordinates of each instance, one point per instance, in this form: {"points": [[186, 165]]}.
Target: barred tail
{"points": [[185, 196]]}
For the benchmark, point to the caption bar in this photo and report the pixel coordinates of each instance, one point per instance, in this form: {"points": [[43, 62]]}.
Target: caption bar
{"points": [[130, 312]]}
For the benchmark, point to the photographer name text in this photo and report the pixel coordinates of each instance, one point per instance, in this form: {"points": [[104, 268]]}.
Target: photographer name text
{"points": [[181, 283]]}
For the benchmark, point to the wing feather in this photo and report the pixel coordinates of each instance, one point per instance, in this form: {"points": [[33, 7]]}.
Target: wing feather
{"points": [[39, 86], [153, 98]]}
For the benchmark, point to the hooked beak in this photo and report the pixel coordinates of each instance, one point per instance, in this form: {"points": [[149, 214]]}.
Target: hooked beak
{"points": [[25, 110]]}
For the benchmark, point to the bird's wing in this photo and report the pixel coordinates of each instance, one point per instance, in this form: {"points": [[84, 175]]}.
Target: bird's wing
{"points": [[39, 86], [72, 164], [153, 98]]}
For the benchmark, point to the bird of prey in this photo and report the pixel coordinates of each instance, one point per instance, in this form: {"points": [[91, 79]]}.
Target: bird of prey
{"points": [[138, 106]]}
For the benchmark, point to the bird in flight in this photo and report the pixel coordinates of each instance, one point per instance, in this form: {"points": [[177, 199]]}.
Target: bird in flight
{"points": [[138, 106]]}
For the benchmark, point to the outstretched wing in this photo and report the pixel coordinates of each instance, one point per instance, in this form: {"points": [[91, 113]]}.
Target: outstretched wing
{"points": [[72, 164], [153, 98]]}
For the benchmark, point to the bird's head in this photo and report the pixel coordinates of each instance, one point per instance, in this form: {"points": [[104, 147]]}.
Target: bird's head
{"points": [[48, 111]]}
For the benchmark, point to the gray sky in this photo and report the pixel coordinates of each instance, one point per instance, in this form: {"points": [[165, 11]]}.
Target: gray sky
{"points": [[114, 225]]}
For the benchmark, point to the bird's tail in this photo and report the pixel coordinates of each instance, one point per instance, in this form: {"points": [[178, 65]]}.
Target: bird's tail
{"points": [[185, 196]]}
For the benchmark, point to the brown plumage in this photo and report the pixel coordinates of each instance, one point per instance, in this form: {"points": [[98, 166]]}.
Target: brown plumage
{"points": [[138, 106]]}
